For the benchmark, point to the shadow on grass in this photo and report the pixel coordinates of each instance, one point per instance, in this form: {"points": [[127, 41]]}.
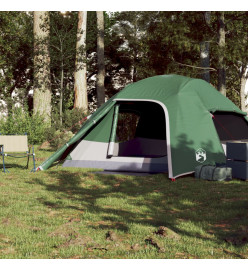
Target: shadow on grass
{"points": [[14, 166], [193, 208], [49, 150]]}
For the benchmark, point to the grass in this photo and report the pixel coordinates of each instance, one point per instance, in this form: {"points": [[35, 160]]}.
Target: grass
{"points": [[66, 213]]}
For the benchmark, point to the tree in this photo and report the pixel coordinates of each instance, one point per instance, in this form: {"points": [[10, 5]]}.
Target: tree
{"points": [[170, 43], [80, 84], [129, 28], [16, 46], [205, 52], [42, 81], [221, 53], [237, 57], [100, 59], [63, 30]]}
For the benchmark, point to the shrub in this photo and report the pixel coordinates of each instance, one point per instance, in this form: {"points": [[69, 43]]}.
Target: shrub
{"points": [[60, 138], [21, 122], [73, 119], [59, 133]]}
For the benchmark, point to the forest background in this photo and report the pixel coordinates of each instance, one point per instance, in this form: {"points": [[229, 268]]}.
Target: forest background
{"points": [[57, 67]]}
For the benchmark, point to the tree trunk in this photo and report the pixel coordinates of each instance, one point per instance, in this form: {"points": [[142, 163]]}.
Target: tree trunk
{"points": [[204, 59], [42, 81], [243, 95], [204, 54], [61, 94], [221, 60], [100, 59], [80, 80]]}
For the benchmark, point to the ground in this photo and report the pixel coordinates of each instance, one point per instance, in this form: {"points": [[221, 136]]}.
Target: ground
{"points": [[77, 213]]}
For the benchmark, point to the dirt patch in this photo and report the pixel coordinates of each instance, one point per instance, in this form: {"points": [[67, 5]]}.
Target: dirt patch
{"points": [[35, 229], [8, 250], [66, 231], [4, 239], [111, 236], [79, 240], [71, 236], [13, 221], [237, 240], [241, 256], [73, 219], [168, 233], [135, 247], [223, 226], [154, 242], [6, 221]]}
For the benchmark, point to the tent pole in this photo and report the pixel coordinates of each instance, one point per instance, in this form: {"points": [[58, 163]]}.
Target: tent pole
{"points": [[113, 132]]}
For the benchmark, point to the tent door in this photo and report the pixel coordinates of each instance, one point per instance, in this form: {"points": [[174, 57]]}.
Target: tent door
{"points": [[138, 130]]}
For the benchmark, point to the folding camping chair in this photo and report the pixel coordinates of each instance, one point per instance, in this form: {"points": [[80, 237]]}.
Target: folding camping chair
{"points": [[16, 144]]}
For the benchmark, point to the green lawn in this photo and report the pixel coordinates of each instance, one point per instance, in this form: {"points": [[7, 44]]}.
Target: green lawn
{"points": [[67, 213]]}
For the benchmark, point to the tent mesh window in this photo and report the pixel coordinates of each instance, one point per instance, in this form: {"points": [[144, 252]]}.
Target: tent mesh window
{"points": [[230, 126], [126, 126]]}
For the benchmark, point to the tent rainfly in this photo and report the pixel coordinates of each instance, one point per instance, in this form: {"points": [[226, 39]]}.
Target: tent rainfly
{"points": [[166, 123]]}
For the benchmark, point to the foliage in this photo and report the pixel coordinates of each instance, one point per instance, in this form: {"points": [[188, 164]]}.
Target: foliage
{"points": [[63, 53], [60, 138], [145, 44], [72, 122], [138, 44], [16, 43], [236, 52], [163, 42], [19, 121]]}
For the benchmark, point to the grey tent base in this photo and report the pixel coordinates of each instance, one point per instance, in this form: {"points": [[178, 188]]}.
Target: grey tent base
{"points": [[123, 173], [150, 156], [152, 167]]}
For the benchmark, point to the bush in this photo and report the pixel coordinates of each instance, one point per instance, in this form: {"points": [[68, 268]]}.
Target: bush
{"points": [[21, 122], [58, 134], [73, 119], [60, 138]]}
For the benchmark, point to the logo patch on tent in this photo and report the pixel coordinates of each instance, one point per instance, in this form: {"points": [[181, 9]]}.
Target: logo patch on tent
{"points": [[200, 155]]}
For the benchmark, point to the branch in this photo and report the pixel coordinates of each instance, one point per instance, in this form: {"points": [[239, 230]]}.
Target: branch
{"points": [[236, 66], [55, 47], [203, 68]]}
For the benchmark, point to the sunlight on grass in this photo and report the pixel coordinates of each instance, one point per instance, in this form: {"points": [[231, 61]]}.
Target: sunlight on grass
{"points": [[67, 213]]}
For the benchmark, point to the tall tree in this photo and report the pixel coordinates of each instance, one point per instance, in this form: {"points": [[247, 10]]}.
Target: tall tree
{"points": [[100, 59], [80, 83], [204, 52], [63, 31], [237, 57], [16, 46], [243, 82], [221, 53], [42, 81]]}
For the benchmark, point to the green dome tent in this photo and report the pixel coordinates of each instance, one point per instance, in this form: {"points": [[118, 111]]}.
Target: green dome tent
{"points": [[166, 123]]}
